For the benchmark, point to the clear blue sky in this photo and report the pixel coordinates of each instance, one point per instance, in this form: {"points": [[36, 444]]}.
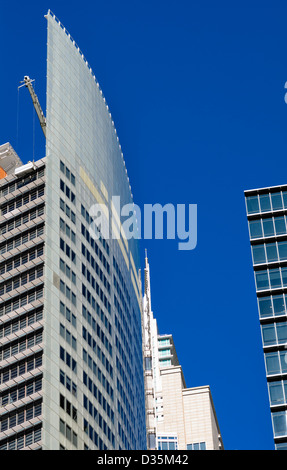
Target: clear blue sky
{"points": [[196, 90]]}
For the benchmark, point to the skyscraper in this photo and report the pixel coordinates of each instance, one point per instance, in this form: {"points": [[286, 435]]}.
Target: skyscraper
{"points": [[266, 213], [178, 418], [71, 371]]}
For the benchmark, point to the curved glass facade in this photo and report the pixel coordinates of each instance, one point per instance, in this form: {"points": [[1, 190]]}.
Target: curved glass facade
{"points": [[93, 385]]}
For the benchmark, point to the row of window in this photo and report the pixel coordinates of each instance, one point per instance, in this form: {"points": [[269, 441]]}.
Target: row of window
{"points": [[167, 443], [91, 320], [96, 248], [126, 423], [272, 306], [67, 431], [121, 295], [164, 352], [274, 334], [126, 399], [125, 323], [21, 368], [69, 316], [93, 435], [90, 278], [101, 335], [16, 347], [24, 390], [88, 382], [124, 354], [21, 182], [66, 209], [196, 446], [22, 200], [267, 227], [24, 258], [68, 337], [21, 322], [266, 202], [125, 440], [22, 219], [126, 341], [98, 419], [21, 300], [70, 409], [68, 359], [68, 293], [67, 191], [278, 392], [97, 371], [21, 280], [21, 415], [122, 372], [91, 299], [67, 271], [67, 172], [68, 251], [89, 220], [68, 383], [269, 252], [276, 362], [21, 239], [121, 278], [65, 228], [271, 279], [23, 439]]}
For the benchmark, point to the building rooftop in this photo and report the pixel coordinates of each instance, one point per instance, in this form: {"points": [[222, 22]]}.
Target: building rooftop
{"points": [[9, 160]]}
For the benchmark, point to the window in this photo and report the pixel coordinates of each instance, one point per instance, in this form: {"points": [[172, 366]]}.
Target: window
{"points": [[276, 201], [279, 420], [278, 392], [276, 333], [276, 362], [167, 442], [268, 227], [271, 306], [196, 446], [255, 229], [252, 204], [265, 205]]}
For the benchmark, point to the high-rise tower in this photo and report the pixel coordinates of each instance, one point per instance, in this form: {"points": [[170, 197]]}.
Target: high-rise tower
{"points": [[178, 418], [71, 368], [266, 213]]}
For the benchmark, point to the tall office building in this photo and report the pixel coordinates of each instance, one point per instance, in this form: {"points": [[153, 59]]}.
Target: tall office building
{"points": [[266, 213], [71, 365], [178, 418]]}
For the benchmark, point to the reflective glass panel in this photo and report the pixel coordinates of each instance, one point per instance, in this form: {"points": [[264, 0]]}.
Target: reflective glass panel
{"points": [[280, 225], [255, 228], [276, 201], [258, 253], [268, 227], [265, 203], [252, 204], [282, 247], [265, 307], [271, 251]]}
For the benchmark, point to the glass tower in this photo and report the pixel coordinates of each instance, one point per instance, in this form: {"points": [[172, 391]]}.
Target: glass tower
{"points": [[72, 376], [266, 213]]}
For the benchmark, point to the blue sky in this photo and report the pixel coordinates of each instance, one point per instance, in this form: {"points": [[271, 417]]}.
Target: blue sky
{"points": [[196, 91]]}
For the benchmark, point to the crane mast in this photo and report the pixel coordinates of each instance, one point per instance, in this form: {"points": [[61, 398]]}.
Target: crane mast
{"points": [[36, 103]]}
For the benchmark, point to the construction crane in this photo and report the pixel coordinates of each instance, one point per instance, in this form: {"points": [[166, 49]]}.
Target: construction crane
{"points": [[28, 83]]}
